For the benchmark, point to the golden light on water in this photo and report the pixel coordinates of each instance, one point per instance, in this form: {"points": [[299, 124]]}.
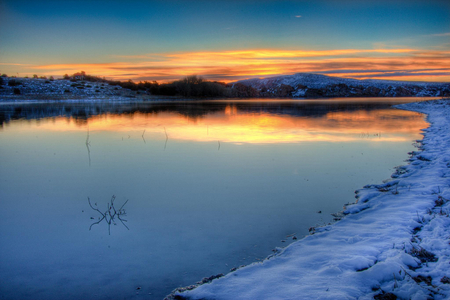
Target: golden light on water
{"points": [[234, 126]]}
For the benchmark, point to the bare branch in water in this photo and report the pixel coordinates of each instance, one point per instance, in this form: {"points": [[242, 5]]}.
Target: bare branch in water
{"points": [[143, 136], [123, 205], [110, 214], [94, 208], [88, 145], [88, 142], [167, 138]]}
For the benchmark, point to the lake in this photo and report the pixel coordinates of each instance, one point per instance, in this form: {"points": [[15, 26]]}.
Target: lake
{"points": [[210, 185]]}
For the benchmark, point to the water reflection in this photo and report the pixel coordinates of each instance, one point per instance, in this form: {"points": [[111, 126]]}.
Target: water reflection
{"points": [[88, 147], [235, 179], [111, 214], [231, 122]]}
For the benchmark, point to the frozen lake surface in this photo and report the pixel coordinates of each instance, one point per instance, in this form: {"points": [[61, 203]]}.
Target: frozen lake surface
{"points": [[210, 185]]}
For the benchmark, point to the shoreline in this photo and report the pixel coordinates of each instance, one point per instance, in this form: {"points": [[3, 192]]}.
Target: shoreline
{"points": [[42, 98], [414, 275], [393, 242], [18, 88], [107, 99]]}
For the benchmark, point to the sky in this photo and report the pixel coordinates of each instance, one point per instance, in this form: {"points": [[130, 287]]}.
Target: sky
{"points": [[226, 40]]}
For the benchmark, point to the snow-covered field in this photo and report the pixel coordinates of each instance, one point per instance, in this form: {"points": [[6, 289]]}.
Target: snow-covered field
{"points": [[392, 244]]}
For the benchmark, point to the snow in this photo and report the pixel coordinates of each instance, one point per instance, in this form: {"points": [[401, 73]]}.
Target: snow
{"points": [[393, 240], [39, 90], [32, 86], [301, 82], [319, 81]]}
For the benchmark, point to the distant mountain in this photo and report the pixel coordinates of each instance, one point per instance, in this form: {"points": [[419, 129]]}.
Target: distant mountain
{"points": [[316, 86]]}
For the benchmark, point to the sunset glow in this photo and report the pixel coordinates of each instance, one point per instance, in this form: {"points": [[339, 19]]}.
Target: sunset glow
{"points": [[234, 126], [278, 149], [403, 64], [227, 41]]}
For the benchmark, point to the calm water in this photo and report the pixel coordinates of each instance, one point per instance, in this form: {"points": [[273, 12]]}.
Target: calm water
{"points": [[211, 185]]}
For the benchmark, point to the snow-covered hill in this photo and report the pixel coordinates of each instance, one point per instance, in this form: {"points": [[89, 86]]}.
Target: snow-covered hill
{"points": [[34, 88], [316, 86]]}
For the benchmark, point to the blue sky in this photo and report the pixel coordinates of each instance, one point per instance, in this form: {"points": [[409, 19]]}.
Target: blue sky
{"points": [[37, 34]]}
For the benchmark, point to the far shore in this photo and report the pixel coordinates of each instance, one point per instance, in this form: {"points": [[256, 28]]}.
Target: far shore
{"points": [[93, 88], [45, 98]]}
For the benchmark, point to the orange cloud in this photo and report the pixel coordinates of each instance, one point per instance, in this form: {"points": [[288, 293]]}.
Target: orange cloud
{"points": [[403, 64]]}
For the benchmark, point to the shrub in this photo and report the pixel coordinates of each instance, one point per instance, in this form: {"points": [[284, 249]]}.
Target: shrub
{"points": [[194, 86], [1, 81], [35, 76], [166, 90], [4, 75], [16, 91], [14, 82]]}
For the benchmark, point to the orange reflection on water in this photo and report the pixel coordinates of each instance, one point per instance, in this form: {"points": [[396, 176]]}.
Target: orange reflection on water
{"points": [[234, 126]]}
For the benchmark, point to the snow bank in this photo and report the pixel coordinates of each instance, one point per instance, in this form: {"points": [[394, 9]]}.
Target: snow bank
{"points": [[393, 241]]}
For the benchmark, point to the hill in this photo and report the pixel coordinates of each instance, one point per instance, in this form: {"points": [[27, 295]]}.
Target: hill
{"points": [[317, 86], [300, 85]]}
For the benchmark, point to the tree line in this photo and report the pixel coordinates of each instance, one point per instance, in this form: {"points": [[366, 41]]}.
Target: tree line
{"points": [[190, 86]]}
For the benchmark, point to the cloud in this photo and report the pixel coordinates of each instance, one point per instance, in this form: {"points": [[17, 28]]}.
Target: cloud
{"points": [[298, 16], [241, 64], [13, 64], [441, 34]]}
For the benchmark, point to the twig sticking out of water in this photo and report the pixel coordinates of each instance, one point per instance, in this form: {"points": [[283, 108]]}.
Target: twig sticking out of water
{"points": [[88, 144], [219, 146], [87, 137], [143, 136], [110, 214], [167, 137]]}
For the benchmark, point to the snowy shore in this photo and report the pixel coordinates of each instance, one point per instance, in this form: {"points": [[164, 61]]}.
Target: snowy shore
{"points": [[26, 89], [392, 244]]}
